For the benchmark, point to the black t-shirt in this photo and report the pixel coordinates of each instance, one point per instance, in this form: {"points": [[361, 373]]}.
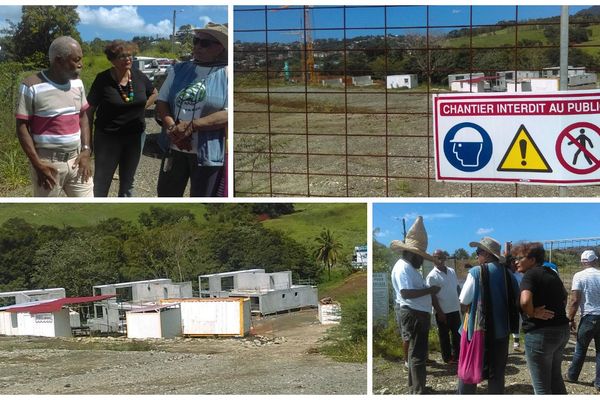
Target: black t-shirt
{"points": [[113, 115], [548, 290]]}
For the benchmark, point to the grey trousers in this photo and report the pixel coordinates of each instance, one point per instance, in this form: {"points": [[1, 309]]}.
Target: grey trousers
{"points": [[416, 326]]}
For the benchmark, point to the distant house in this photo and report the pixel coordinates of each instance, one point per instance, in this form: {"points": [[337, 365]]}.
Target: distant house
{"points": [[28, 296], [408, 81], [269, 293], [577, 76], [473, 85], [463, 76], [360, 257], [517, 79]]}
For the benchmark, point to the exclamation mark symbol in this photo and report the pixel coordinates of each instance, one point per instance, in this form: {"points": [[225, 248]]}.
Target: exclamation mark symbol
{"points": [[523, 147]]}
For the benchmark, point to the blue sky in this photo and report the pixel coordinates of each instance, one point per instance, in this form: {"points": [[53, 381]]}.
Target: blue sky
{"points": [[371, 20], [124, 22], [453, 225]]}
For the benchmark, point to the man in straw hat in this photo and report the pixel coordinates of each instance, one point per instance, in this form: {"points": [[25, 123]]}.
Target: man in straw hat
{"points": [[413, 301], [493, 283]]}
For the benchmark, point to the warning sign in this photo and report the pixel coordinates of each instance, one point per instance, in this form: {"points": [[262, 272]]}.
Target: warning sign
{"points": [[523, 155], [537, 138]]}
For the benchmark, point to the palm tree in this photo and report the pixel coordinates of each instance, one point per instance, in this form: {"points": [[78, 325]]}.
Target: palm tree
{"points": [[327, 251]]}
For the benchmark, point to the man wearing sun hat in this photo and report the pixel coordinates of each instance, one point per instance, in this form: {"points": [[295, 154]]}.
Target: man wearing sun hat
{"points": [[585, 294], [413, 301], [492, 282]]}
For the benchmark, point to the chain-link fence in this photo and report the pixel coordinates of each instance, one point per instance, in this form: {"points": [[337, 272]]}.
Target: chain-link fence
{"points": [[337, 100]]}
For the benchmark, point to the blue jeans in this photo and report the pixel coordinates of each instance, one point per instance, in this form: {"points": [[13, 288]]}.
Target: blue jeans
{"points": [[497, 355], [589, 328], [416, 326], [544, 348], [111, 151]]}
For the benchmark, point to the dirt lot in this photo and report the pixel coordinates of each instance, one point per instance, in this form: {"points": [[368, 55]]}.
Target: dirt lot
{"points": [[325, 142], [391, 378], [280, 359]]}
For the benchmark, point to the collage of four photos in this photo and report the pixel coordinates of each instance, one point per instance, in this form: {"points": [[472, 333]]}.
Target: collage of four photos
{"points": [[299, 199]]}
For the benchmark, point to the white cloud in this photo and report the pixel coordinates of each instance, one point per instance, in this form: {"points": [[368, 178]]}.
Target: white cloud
{"points": [[204, 19], [427, 217], [456, 11], [123, 19], [485, 231], [381, 233]]}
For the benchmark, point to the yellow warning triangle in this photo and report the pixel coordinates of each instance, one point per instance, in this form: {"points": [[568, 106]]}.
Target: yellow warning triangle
{"points": [[523, 155]]}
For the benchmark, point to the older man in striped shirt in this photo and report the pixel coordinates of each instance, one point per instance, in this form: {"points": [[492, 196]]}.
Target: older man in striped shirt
{"points": [[52, 125]]}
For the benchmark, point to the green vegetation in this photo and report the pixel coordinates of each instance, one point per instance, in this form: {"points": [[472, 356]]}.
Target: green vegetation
{"points": [[348, 341], [77, 246]]}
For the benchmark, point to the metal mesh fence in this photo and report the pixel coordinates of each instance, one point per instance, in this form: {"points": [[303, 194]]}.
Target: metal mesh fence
{"points": [[336, 101]]}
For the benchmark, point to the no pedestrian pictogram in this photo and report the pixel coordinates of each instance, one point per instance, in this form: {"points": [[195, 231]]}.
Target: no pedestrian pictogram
{"points": [[523, 155], [574, 148]]}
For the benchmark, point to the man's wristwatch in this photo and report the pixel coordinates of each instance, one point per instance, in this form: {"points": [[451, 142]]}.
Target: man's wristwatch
{"points": [[86, 147]]}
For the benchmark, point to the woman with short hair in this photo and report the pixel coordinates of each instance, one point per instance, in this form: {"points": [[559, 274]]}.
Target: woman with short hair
{"points": [[543, 300], [119, 97]]}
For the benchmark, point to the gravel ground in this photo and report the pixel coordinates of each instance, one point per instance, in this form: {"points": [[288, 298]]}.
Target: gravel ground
{"points": [[280, 359], [390, 377]]}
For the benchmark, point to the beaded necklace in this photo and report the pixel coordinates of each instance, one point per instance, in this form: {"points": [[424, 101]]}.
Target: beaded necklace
{"points": [[126, 96]]}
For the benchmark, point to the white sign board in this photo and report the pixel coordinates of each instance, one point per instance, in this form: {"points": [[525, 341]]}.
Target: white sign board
{"points": [[538, 138], [381, 299]]}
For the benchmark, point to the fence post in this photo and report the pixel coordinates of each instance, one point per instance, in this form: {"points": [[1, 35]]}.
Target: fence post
{"points": [[564, 63]]}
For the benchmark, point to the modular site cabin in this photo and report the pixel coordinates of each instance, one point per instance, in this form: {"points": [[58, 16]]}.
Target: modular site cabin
{"points": [[269, 293]]}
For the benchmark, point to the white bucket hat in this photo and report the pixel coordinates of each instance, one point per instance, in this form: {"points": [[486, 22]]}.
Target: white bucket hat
{"points": [[490, 245]]}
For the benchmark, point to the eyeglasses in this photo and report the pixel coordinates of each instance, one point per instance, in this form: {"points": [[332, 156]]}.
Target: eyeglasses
{"points": [[479, 251], [124, 56], [204, 42]]}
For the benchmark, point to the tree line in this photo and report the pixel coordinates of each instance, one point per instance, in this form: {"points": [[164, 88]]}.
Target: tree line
{"points": [[162, 243]]}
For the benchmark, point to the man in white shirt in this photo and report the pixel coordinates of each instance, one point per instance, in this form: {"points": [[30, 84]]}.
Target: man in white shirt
{"points": [[447, 306], [585, 294], [413, 297]]}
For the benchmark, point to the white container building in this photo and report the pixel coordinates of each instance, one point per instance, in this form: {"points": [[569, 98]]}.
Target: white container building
{"points": [[110, 316], [160, 321], [214, 316], [407, 81], [269, 293]]}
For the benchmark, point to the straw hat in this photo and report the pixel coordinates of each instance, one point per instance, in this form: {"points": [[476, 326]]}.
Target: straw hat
{"points": [[415, 242], [490, 245], [218, 31]]}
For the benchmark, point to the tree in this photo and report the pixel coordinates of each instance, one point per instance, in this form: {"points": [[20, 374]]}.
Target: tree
{"points": [[327, 251], [159, 216], [39, 26], [461, 254]]}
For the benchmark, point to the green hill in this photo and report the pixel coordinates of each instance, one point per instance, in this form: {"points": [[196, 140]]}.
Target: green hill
{"points": [[84, 214], [347, 222]]}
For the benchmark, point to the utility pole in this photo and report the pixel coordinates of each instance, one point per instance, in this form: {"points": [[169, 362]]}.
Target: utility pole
{"points": [[174, 28]]}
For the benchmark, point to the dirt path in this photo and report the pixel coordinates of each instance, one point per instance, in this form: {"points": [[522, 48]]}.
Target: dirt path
{"points": [[280, 359], [390, 377]]}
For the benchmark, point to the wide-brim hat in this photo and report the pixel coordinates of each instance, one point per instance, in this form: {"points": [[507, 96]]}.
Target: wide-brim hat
{"points": [[218, 31], [415, 241], [490, 245]]}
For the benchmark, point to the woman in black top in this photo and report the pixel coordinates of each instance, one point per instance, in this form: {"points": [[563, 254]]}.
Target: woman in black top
{"points": [[543, 301], [118, 97]]}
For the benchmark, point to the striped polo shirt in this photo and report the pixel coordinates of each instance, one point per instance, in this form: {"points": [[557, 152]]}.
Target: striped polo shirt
{"points": [[53, 111]]}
